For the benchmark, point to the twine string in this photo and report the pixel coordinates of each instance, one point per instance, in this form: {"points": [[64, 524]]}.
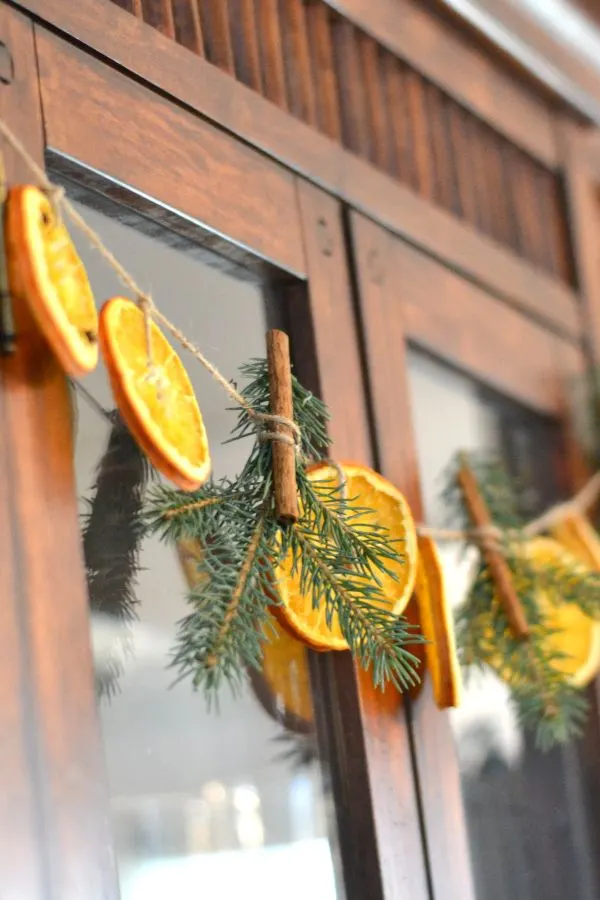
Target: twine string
{"points": [[579, 503], [60, 202]]}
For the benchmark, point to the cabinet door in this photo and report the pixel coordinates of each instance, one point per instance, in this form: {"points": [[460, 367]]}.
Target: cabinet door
{"points": [[305, 783], [451, 368]]}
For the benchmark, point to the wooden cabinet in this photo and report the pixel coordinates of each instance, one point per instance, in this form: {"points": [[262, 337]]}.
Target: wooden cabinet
{"points": [[422, 219]]}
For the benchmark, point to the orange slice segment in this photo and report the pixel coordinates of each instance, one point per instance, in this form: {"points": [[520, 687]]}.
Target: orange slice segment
{"points": [[45, 268], [573, 634], [437, 624], [387, 507], [283, 684], [157, 403]]}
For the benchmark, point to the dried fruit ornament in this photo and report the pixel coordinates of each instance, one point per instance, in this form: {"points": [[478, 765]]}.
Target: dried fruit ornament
{"points": [[44, 267]]}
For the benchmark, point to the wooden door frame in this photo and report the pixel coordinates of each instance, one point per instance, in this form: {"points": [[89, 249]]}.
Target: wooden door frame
{"points": [[406, 298], [393, 760], [300, 238]]}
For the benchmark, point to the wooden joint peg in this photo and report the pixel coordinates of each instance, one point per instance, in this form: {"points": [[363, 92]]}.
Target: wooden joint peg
{"points": [[284, 448], [499, 569]]}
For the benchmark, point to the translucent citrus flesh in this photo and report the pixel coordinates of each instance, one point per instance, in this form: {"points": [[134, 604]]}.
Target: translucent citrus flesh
{"points": [[46, 267], [285, 671], [437, 626], [388, 508], [67, 274], [158, 392]]}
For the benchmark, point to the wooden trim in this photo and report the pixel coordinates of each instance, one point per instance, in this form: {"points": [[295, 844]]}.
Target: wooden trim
{"points": [[218, 180], [383, 306], [518, 37], [23, 870], [131, 44], [460, 68], [376, 804], [472, 330], [582, 180], [66, 769]]}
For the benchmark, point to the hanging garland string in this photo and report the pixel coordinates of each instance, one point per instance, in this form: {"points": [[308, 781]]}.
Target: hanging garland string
{"points": [[342, 566]]}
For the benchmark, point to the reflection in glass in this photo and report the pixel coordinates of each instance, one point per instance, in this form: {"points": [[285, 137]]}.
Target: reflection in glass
{"points": [[533, 818], [223, 803]]}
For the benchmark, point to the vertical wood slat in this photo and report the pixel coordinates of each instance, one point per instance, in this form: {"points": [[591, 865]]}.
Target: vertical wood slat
{"points": [[271, 51], [301, 88], [378, 113], [187, 25], [441, 149], [245, 43], [460, 146], [478, 165], [397, 101], [499, 190], [318, 18], [353, 97], [555, 219], [436, 769], [371, 770], [214, 17], [527, 206], [68, 765], [22, 820], [159, 14], [131, 6], [414, 87]]}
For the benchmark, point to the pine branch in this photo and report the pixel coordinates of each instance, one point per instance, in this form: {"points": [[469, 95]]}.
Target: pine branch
{"points": [[342, 558], [545, 702]]}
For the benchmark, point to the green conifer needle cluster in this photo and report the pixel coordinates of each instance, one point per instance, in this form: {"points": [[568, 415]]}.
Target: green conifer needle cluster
{"points": [[338, 558], [545, 701]]}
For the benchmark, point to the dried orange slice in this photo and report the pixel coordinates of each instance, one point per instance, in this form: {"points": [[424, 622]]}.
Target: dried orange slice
{"points": [[572, 634], [45, 268], [437, 625], [387, 507], [283, 684], [157, 402], [577, 534]]}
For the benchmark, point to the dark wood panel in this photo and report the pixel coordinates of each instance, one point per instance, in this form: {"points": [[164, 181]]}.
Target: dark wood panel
{"points": [[582, 180], [245, 43], [517, 38], [216, 177], [22, 862], [505, 349], [68, 773], [217, 34], [203, 88], [463, 70], [271, 50], [297, 61], [159, 14], [327, 97], [353, 98], [372, 774], [382, 307], [187, 25]]}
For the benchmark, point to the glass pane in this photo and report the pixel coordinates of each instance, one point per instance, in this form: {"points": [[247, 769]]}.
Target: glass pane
{"points": [[532, 817], [203, 803]]}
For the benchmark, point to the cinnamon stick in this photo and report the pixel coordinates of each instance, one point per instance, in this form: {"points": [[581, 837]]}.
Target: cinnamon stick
{"points": [[499, 570], [284, 454]]}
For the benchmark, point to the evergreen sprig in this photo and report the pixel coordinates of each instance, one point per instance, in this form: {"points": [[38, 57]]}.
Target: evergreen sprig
{"points": [[339, 559], [546, 703]]}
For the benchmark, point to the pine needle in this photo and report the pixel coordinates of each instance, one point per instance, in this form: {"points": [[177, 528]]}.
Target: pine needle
{"points": [[545, 703], [341, 560]]}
